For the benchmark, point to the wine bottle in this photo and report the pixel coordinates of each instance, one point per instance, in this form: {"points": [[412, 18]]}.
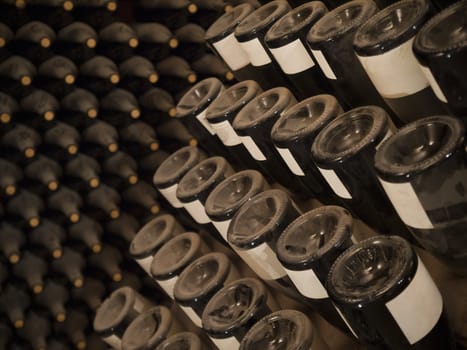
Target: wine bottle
{"points": [[57, 75], [156, 41], [151, 237], [36, 330], [70, 265], [19, 142], [389, 276], [104, 202], [16, 76], [119, 107], [91, 293], [53, 298], [250, 33], [78, 108], [150, 328], [210, 65], [125, 227], [96, 13], [100, 139], [117, 311], [38, 108], [171, 13], [409, 94], [191, 110], [77, 41], [428, 153], [32, 270], [67, 203], [8, 108], [201, 279], [98, 74], [348, 168], [141, 198], [10, 176], [61, 141], [138, 74], [88, 232], [43, 174], [138, 138], [14, 301], [12, 240], [191, 42], [175, 74], [173, 257], [156, 105], [439, 49], [6, 36], [276, 327], [82, 172], [50, 236], [108, 261], [148, 164], [120, 170], [117, 41], [293, 134], [74, 327], [56, 13], [221, 39], [26, 207], [188, 339], [286, 40], [34, 40], [234, 309]]}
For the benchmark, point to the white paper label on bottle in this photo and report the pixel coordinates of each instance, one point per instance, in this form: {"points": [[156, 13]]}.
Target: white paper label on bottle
{"points": [[265, 261], [230, 343], [308, 284], [418, 308], [145, 263], [293, 58], [203, 120], [407, 204], [197, 212], [395, 73], [253, 148], [114, 341], [434, 84], [170, 194], [290, 160], [256, 52], [231, 52], [192, 315], [335, 183], [168, 285], [345, 320], [226, 133], [222, 227], [324, 65]]}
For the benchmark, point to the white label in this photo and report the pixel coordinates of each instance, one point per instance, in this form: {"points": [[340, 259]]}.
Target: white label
{"points": [[434, 84], [265, 261], [231, 52], [197, 212], [256, 52], [418, 308], [114, 341], [222, 227], [226, 133], [290, 160], [408, 206], [308, 283], [168, 285], [293, 58], [170, 194], [230, 343], [145, 263], [251, 146], [324, 65], [345, 320], [336, 184], [192, 315], [395, 73], [202, 119]]}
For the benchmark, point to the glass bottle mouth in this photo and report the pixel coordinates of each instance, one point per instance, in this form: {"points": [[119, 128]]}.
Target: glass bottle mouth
{"points": [[391, 27], [152, 236], [177, 165], [262, 17], [418, 146], [114, 309], [181, 341], [227, 23], [371, 270], [305, 118], [342, 20], [233, 306], [270, 104], [312, 235], [148, 329], [174, 255], [257, 220], [198, 97], [232, 100], [349, 133], [289, 328]]}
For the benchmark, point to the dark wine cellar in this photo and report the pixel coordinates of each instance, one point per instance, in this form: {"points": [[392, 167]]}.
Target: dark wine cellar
{"points": [[233, 174]]}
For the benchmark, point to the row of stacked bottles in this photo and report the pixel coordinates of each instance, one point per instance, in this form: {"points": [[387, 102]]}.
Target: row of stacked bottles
{"points": [[237, 128]]}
